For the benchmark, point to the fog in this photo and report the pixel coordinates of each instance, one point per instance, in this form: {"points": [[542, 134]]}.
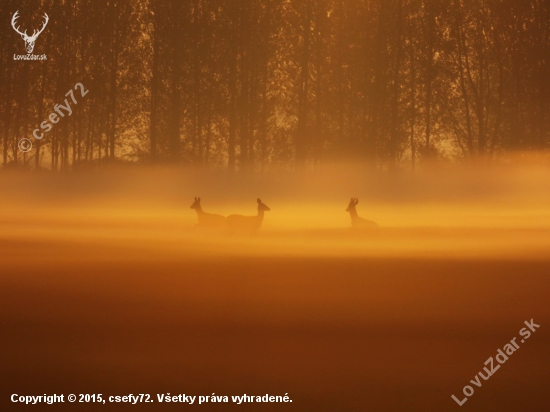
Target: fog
{"points": [[465, 211]]}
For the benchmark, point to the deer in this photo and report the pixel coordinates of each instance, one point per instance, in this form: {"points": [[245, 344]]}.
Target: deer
{"points": [[208, 220], [356, 221], [247, 224], [29, 40]]}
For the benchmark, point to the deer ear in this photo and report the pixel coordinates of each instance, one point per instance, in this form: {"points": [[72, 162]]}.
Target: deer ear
{"points": [[195, 198], [356, 201], [259, 201]]}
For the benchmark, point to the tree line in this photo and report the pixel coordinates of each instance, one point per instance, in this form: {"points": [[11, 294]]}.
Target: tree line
{"points": [[260, 84]]}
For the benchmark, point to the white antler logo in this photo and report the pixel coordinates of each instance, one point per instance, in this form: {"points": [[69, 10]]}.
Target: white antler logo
{"points": [[29, 40]]}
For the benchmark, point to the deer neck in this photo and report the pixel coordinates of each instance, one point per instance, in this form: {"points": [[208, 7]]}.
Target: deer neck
{"points": [[199, 210], [260, 214], [353, 213]]}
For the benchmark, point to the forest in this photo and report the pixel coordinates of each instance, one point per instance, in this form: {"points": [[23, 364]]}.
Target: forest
{"points": [[270, 84]]}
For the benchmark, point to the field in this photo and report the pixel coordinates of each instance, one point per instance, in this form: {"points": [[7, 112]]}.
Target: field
{"points": [[106, 288]]}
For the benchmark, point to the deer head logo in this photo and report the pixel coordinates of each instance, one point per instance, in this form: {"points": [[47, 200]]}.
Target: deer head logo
{"points": [[29, 40]]}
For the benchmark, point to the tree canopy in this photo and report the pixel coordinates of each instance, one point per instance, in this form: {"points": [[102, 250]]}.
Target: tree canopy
{"points": [[259, 84]]}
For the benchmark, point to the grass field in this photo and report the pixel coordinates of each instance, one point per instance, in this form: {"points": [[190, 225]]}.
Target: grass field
{"points": [[103, 297]]}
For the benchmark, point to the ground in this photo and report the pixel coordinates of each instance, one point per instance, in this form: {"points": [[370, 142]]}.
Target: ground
{"points": [[118, 295]]}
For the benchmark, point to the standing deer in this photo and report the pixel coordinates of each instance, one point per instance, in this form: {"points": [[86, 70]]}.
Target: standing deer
{"points": [[247, 224], [207, 219], [29, 40], [356, 221]]}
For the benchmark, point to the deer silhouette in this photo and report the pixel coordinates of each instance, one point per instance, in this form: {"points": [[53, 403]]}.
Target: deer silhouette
{"points": [[207, 219], [356, 221], [247, 224]]}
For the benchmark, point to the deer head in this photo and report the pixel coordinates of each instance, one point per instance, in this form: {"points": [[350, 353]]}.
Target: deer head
{"points": [[352, 203], [196, 204], [29, 40], [262, 207]]}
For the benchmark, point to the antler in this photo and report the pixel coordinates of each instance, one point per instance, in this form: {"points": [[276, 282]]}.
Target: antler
{"points": [[37, 32], [13, 21]]}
